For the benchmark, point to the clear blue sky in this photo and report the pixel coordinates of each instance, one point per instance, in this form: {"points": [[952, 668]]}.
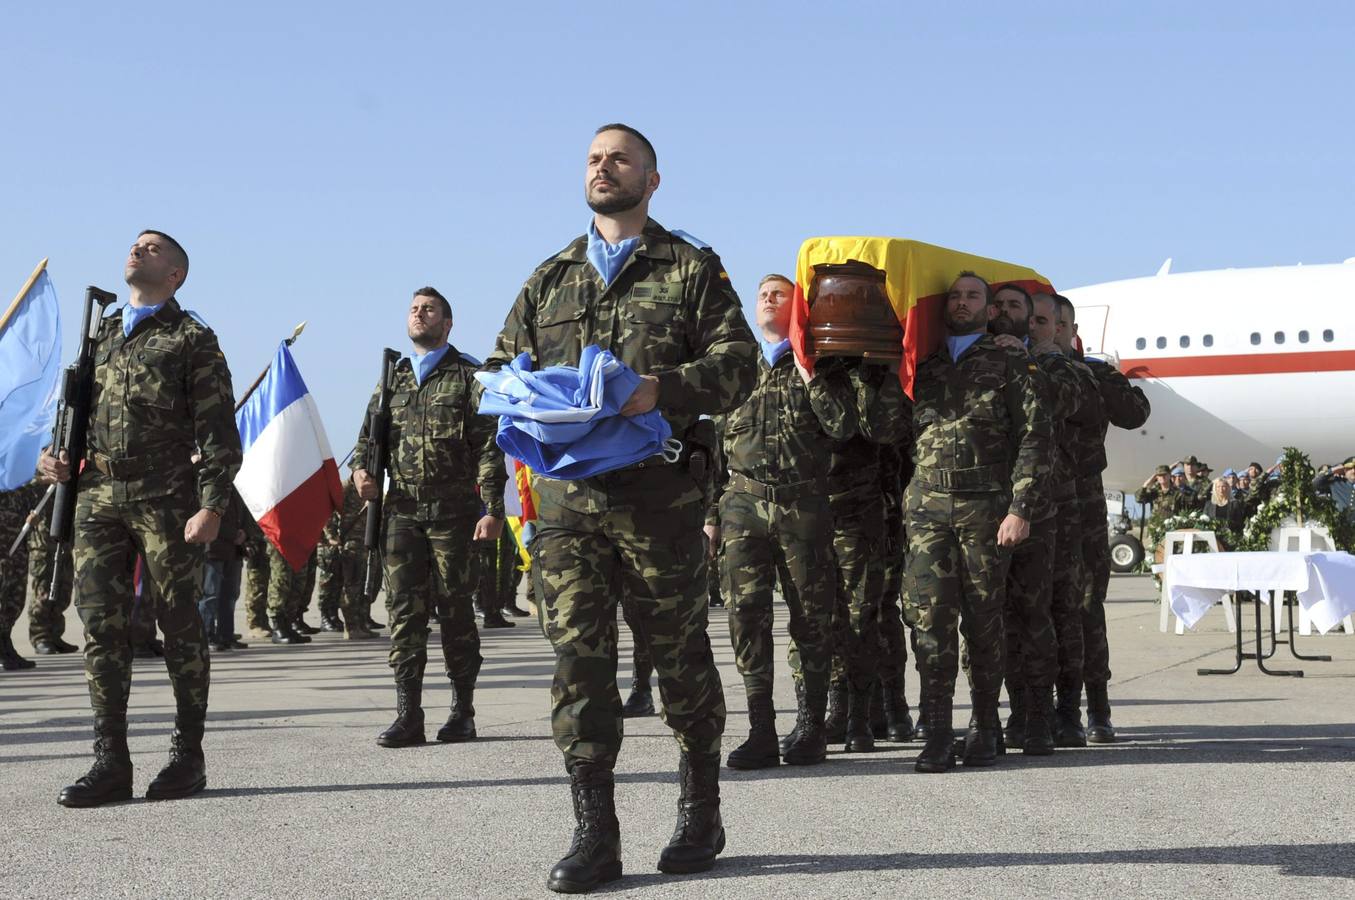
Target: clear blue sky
{"points": [[321, 161]]}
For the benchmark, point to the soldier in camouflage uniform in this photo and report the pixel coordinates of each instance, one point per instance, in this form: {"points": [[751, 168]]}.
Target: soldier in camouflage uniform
{"points": [[1166, 500], [15, 506], [288, 591], [161, 385], [439, 450], [341, 575], [1126, 406], [254, 585], [895, 473], [775, 520], [47, 611], [982, 456], [666, 309]]}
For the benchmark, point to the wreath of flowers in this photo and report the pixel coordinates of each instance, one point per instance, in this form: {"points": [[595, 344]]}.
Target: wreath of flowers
{"points": [[1295, 498]]}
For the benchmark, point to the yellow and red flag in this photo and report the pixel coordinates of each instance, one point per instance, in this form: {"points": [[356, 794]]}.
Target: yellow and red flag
{"points": [[917, 276], [527, 499]]}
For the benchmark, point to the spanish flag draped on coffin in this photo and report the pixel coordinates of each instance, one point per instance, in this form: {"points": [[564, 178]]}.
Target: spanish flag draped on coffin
{"points": [[916, 278]]}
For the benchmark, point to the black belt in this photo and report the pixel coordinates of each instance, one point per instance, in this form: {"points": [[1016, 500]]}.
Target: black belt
{"points": [[777, 493], [974, 478], [127, 467]]}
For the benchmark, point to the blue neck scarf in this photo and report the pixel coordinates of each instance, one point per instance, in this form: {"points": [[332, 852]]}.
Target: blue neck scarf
{"points": [[608, 258], [426, 362], [959, 343], [132, 316], [773, 352]]}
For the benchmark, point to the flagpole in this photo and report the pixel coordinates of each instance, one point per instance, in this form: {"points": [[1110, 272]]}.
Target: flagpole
{"points": [[296, 333], [23, 292]]}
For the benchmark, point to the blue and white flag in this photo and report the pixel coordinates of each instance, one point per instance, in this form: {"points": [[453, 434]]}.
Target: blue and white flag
{"points": [[30, 366], [564, 421]]}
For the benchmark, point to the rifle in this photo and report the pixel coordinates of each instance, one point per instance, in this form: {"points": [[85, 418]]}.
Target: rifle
{"points": [[32, 519], [378, 452], [72, 422]]}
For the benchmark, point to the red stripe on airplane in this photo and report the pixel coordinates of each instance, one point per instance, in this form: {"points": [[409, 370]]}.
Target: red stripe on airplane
{"points": [[1240, 364]]}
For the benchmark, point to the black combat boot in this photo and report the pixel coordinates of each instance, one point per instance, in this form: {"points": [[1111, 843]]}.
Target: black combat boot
{"points": [[1068, 731], [1015, 734], [494, 619], [594, 856], [760, 751], [858, 737], [64, 646], [981, 746], [110, 778], [329, 621], [879, 725], [186, 773], [301, 626], [460, 725], [938, 753], [407, 729], [810, 746], [641, 700], [700, 835], [10, 658], [920, 732], [1099, 728], [898, 718], [1039, 738], [799, 705], [281, 632], [835, 724]]}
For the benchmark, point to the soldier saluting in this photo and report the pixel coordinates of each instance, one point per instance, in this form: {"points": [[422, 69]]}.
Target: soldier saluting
{"points": [[160, 387]]}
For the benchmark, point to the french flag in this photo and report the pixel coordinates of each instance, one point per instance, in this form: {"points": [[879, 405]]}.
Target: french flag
{"points": [[288, 478]]}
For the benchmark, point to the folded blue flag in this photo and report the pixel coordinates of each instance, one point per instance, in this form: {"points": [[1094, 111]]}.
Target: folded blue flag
{"points": [[30, 361], [564, 421]]}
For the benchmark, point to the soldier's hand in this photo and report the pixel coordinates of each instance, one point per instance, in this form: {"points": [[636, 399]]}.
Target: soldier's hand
{"points": [[1012, 531], [366, 485], [805, 376], [1044, 348], [644, 398], [1010, 341], [488, 529], [712, 533], [202, 528], [53, 470]]}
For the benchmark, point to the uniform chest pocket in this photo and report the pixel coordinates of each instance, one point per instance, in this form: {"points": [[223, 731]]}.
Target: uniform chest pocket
{"points": [[985, 397], [444, 411], [562, 313], [650, 313], [153, 378]]}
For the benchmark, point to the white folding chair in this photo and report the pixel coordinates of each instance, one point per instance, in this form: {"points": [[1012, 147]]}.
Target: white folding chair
{"points": [[1182, 543], [1305, 539]]}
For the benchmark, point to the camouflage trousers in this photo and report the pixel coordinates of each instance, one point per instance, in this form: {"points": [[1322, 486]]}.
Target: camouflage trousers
{"points": [[47, 612], [14, 508], [339, 579], [893, 640], [762, 543], [108, 536], [1066, 599], [641, 665], [954, 581], [427, 562], [1096, 574], [1028, 618], [642, 540], [255, 588], [289, 590]]}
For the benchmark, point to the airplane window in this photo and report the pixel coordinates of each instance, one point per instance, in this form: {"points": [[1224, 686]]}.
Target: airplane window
{"points": [[1256, 337], [1140, 343], [1327, 335], [1303, 337], [1185, 341], [1279, 337], [1161, 343], [1209, 340]]}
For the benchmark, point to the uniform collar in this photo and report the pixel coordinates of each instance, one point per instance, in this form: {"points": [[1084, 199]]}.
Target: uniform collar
{"points": [[655, 243]]}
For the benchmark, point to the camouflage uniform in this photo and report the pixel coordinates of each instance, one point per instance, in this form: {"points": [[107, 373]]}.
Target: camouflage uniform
{"points": [[895, 473], [15, 506], [340, 565], [156, 394], [289, 590], [982, 451], [439, 449], [670, 312], [775, 518], [47, 612], [256, 572]]}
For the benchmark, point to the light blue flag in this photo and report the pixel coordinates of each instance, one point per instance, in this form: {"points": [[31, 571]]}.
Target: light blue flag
{"points": [[30, 363]]}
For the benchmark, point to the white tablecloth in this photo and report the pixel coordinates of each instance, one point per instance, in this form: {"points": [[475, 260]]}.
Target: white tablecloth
{"points": [[1325, 582]]}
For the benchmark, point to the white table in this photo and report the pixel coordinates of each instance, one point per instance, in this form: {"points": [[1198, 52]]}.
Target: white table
{"points": [[1323, 582]]}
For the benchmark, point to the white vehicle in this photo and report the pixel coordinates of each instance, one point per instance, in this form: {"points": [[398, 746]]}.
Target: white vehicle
{"points": [[1238, 364]]}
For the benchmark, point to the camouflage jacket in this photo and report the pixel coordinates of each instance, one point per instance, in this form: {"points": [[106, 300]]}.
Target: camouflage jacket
{"points": [[884, 417], [1078, 423], [783, 433], [980, 425], [157, 393], [1125, 404], [345, 526], [439, 446], [670, 312], [1166, 503]]}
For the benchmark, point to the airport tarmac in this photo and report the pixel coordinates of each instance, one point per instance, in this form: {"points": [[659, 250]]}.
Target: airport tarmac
{"points": [[1220, 786]]}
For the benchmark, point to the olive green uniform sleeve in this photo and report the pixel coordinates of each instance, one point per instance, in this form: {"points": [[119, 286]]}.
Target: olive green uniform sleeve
{"points": [[1030, 436], [832, 396], [212, 406], [884, 412], [490, 471], [359, 459]]}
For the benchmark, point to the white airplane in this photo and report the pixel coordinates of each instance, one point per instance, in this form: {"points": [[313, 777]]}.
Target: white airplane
{"points": [[1238, 364]]}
